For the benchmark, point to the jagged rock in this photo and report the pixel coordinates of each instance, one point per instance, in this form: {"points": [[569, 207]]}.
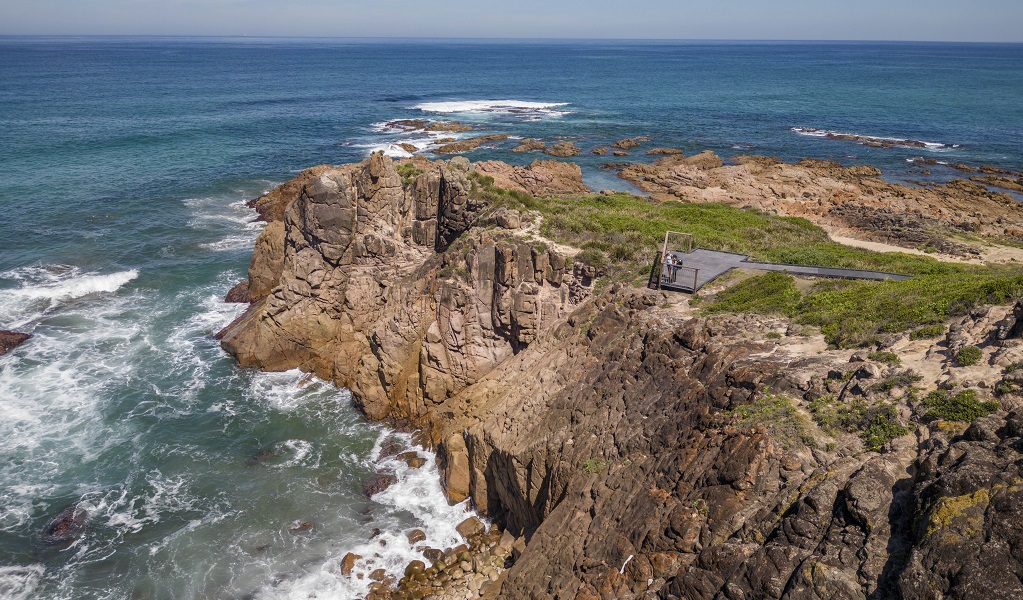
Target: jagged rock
{"points": [[705, 160], [529, 145], [301, 528], [665, 151], [563, 149], [541, 178], [377, 483], [9, 340], [629, 143], [412, 459], [469, 144], [348, 564], [600, 150], [357, 244], [239, 294], [271, 206], [1011, 327], [67, 525]]}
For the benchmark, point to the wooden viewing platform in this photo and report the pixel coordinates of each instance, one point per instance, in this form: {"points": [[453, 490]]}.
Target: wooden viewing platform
{"points": [[696, 267]]}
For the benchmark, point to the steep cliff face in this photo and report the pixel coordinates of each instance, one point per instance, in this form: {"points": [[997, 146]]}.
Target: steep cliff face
{"points": [[379, 285], [602, 428], [614, 452]]}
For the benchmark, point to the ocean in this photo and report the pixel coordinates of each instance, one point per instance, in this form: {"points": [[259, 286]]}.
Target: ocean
{"points": [[124, 169]]}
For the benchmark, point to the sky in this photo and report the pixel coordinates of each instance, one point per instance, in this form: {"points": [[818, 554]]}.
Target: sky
{"points": [[931, 20]]}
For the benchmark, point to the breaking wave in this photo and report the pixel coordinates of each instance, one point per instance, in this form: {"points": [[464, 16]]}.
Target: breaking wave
{"points": [[523, 108]]}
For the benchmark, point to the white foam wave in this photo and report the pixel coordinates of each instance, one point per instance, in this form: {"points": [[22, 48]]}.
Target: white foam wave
{"points": [[502, 107], [902, 142], [45, 288], [415, 501], [234, 222], [18, 583]]}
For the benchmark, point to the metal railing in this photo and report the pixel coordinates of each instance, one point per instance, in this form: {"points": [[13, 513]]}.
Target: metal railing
{"points": [[679, 276]]}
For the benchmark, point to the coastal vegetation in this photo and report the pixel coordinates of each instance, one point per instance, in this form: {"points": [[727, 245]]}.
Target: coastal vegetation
{"points": [[621, 235]]}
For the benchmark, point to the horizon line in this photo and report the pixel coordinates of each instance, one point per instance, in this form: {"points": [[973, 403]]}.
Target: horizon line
{"points": [[498, 39]]}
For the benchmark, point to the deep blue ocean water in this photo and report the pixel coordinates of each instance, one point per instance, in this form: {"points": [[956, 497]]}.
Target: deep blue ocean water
{"points": [[124, 164]]}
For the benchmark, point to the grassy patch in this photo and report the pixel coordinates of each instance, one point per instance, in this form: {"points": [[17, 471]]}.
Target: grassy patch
{"points": [[857, 313], [773, 293], [964, 406], [928, 332], [787, 425]]}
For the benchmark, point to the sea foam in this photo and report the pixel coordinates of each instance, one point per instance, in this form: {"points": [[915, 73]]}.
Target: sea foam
{"points": [[18, 583], [506, 107]]}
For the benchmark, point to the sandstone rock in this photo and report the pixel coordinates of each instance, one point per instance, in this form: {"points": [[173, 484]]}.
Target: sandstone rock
{"points": [[666, 151], [416, 536], [239, 294], [410, 148], [412, 459], [620, 153], [9, 340], [267, 262], [271, 206], [541, 178], [705, 160], [629, 143], [469, 144], [529, 145], [470, 527], [377, 483], [348, 563], [600, 150], [563, 149]]}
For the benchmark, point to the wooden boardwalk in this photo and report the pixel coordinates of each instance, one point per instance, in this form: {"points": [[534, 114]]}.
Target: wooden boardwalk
{"points": [[701, 266]]}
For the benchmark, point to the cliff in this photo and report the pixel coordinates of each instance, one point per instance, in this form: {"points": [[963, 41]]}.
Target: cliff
{"points": [[640, 449]]}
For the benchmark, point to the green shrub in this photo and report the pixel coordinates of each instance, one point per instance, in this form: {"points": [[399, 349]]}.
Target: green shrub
{"points": [[595, 465], [963, 406], [928, 332], [834, 417], [888, 358], [969, 355], [905, 379], [883, 426], [787, 425], [592, 257], [1016, 366]]}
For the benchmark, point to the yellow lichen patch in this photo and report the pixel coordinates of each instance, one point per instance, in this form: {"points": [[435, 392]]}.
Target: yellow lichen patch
{"points": [[952, 428], [954, 515]]}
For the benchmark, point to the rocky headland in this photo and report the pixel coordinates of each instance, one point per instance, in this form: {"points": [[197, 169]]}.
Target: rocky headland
{"points": [[632, 443]]}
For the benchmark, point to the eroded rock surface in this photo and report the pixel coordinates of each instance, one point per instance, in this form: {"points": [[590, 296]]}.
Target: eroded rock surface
{"points": [[386, 289]]}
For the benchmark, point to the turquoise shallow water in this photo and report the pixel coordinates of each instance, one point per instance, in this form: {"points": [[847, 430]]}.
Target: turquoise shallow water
{"points": [[124, 165]]}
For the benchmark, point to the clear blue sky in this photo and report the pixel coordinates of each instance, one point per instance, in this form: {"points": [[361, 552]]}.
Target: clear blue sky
{"points": [[938, 20]]}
